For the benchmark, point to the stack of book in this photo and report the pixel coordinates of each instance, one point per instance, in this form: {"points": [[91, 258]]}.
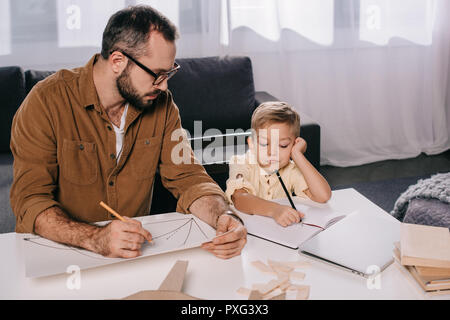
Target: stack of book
{"points": [[425, 252]]}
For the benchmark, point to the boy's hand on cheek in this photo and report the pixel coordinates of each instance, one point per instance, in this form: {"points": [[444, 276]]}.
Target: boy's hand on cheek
{"points": [[300, 146]]}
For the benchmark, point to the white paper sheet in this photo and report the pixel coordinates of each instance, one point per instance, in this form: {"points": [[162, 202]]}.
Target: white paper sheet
{"points": [[170, 232]]}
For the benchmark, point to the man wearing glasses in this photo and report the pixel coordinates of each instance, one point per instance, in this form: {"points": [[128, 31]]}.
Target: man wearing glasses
{"points": [[99, 133]]}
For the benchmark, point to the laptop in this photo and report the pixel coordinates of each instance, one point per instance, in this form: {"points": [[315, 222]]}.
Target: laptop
{"points": [[360, 243]]}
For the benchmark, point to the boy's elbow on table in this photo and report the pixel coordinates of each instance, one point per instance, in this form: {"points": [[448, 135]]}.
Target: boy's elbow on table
{"points": [[323, 198]]}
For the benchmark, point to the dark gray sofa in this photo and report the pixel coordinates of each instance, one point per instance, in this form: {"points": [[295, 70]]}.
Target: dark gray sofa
{"points": [[217, 91]]}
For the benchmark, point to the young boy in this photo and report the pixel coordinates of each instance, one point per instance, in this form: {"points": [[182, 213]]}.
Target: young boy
{"points": [[274, 142]]}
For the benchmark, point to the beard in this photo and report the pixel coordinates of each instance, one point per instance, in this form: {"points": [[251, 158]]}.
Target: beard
{"points": [[130, 94]]}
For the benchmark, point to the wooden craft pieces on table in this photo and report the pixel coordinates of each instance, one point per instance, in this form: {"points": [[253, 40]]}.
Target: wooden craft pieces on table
{"points": [[278, 289]]}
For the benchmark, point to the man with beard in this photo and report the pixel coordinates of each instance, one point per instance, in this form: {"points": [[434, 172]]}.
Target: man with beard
{"points": [[99, 133]]}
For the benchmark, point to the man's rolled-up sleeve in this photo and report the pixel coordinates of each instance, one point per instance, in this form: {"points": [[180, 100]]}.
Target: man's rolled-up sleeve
{"points": [[33, 146], [180, 172]]}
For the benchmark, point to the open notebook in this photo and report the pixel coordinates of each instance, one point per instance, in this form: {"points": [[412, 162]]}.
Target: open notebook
{"points": [[318, 217]]}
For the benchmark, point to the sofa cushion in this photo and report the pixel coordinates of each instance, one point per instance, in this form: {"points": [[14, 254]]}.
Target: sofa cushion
{"points": [[12, 93], [32, 77], [220, 92], [7, 218]]}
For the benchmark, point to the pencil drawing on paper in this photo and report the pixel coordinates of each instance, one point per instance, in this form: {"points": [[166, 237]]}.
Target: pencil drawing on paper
{"points": [[187, 223], [170, 232], [56, 246], [173, 231]]}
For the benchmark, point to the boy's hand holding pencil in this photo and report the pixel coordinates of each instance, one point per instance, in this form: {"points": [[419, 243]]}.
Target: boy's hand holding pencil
{"points": [[286, 216]]}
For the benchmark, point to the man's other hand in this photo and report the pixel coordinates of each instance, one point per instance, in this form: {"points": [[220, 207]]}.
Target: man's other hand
{"points": [[231, 238]]}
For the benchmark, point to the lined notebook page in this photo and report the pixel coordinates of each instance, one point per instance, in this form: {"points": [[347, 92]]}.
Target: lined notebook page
{"points": [[319, 214], [294, 235]]}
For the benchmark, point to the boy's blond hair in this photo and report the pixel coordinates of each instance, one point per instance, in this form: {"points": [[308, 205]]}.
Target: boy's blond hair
{"points": [[276, 112]]}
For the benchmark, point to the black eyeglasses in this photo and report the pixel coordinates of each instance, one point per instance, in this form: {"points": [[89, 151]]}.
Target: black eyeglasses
{"points": [[159, 78]]}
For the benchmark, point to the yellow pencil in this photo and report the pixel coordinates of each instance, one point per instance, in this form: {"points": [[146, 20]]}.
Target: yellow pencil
{"points": [[118, 216]]}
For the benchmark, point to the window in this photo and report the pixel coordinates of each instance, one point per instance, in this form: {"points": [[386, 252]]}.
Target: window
{"points": [[303, 24], [5, 28], [81, 22], [51, 34], [383, 20], [33, 21]]}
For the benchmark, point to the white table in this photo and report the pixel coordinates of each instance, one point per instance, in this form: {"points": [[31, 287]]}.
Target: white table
{"points": [[207, 277]]}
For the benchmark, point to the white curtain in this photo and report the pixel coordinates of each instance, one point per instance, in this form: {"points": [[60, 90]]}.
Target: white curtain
{"points": [[5, 31], [81, 22], [373, 73]]}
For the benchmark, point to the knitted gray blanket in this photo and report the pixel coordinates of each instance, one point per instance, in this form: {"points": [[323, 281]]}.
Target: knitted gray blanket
{"points": [[436, 187]]}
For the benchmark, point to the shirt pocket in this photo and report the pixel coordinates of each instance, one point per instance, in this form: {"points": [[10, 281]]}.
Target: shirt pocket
{"points": [[79, 164], [145, 157]]}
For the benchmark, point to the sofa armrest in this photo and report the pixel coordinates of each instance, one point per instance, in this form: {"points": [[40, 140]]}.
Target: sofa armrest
{"points": [[309, 130], [12, 93], [262, 96]]}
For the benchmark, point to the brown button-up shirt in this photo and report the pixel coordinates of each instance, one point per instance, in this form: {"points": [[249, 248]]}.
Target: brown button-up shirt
{"points": [[63, 142]]}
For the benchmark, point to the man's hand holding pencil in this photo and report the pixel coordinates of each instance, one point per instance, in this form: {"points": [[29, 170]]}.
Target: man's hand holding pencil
{"points": [[122, 238]]}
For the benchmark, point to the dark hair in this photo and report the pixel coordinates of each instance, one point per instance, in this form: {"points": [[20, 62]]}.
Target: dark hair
{"points": [[129, 29]]}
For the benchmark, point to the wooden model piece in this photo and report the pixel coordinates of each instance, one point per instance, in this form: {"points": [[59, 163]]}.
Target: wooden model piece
{"points": [[170, 288]]}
